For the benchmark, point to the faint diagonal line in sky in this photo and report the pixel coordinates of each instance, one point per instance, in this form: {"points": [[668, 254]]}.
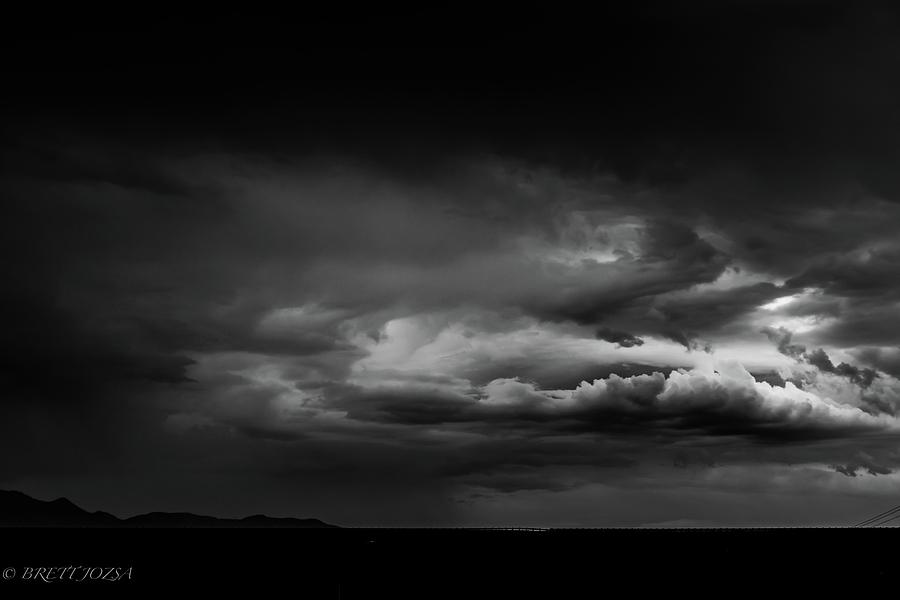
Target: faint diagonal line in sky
{"points": [[872, 521]]}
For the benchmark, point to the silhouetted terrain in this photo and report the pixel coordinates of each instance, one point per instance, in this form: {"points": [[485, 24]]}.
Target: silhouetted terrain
{"points": [[20, 510]]}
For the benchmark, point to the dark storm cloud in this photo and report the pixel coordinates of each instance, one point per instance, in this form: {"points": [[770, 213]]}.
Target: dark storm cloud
{"points": [[618, 337], [781, 337], [105, 271], [57, 159], [863, 323], [683, 338], [259, 271], [863, 462], [410, 406], [818, 305], [673, 257], [44, 347], [205, 240], [868, 273], [863, 377], [885, 359], [819, 359], [711, 310]]}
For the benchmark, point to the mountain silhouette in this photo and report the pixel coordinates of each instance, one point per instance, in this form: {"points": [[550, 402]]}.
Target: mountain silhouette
{"points": [[20, 510]]}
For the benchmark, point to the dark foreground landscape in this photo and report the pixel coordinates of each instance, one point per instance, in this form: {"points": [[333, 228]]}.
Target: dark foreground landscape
{"points": [[418, 563], [58, 544]]}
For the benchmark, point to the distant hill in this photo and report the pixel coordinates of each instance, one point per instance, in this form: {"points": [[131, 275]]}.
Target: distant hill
{"points": [[20, 510]]}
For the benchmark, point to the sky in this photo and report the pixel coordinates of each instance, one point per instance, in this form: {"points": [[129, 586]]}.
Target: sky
{"points": [[638, 267]]}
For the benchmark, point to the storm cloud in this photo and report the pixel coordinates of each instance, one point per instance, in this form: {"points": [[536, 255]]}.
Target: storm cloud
{"points": [[424, 277]]}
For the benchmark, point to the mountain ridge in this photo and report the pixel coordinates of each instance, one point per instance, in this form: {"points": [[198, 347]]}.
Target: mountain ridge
{"points": [[18, 509]]}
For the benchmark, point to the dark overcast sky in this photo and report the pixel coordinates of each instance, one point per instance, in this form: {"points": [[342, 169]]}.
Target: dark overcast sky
{"points": [[637, 266]]}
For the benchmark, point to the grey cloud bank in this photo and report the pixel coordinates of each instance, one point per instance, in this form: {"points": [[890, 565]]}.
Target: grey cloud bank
{"points": [[667, 291]]}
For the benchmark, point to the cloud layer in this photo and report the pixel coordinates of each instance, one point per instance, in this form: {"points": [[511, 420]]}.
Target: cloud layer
{"points": [[625, 271]]}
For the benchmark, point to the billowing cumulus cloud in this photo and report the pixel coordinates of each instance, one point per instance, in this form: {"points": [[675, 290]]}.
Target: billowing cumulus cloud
{"points": [[724, 401]]}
